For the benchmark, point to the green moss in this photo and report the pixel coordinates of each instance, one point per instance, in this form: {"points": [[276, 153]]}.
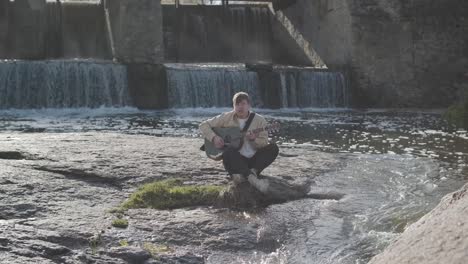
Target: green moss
{"points": [[120, 223], [456, 115], [117, 210], [123, 243], [156, 250], [172, 194]]}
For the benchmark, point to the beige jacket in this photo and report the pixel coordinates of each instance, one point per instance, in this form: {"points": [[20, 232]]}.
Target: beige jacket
{"points": [[229, 119]]}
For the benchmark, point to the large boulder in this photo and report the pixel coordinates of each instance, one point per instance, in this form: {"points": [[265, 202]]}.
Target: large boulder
{"points": [[441, 236]]}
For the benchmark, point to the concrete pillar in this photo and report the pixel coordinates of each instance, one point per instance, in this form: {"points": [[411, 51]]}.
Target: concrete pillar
{"points": [[28, 37], [136, 28], [148, 85]]}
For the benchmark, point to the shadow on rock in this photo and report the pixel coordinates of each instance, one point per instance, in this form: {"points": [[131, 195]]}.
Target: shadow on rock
{"points": [[261, 192]]}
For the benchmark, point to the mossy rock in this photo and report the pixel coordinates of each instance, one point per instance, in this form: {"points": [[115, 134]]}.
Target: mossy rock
{"points": [[120, 223], [172, 194], [155, 249]]}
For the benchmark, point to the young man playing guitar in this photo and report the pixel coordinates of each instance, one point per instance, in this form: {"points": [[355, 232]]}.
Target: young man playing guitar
{"points": [[255, 154]]}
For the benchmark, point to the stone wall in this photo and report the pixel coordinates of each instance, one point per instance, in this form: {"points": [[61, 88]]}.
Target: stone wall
{"points": [[26, 28], [398, 53], [136, 28]]}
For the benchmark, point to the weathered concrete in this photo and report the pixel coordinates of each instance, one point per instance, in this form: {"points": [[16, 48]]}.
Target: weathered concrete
{"points": [[438, 237], [27, 29], [136, 30], [83, 32], [399, 54], [196, 33], [4, 23]]}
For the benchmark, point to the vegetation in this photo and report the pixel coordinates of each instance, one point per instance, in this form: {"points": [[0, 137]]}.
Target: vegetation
{"points": [[172, 194], [155, 250], [123, 243], [120, 223], [95, 242], [457, 115]]}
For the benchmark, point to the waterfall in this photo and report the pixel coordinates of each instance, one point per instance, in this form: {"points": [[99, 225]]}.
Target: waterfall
{"points": [[212, 85], [57, 84], [208, 86], [308, 88]]}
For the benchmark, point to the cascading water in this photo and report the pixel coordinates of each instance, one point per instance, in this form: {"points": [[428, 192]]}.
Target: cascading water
{"points": [[307, 88], [212, 85], [208, 86], [56, 84]]}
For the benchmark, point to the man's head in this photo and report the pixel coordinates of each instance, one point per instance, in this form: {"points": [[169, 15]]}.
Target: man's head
{"points": [[241, 102]]}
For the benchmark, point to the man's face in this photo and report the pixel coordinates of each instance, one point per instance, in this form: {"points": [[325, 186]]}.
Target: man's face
{"points": [[242, 108]]}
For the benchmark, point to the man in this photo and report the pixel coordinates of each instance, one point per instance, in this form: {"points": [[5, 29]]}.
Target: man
{"points": [[255, 154]]}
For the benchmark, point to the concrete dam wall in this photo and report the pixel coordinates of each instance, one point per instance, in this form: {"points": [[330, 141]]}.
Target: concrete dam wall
{"points": [[140, 36], [124, 30], [398, 53], [45, 30], [217, 34]]}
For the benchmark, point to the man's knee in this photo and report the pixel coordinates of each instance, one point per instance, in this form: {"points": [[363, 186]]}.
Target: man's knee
{"points": [[230, 153]]}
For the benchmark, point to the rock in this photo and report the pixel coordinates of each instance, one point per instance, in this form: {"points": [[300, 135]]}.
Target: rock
{"points": [[261, 192], [130, 254], [277, 189], [14, 155], [186, 259], [438, 237], [54, 205]]}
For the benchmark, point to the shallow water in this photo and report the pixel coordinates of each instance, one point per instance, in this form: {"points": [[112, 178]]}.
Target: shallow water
{"points": [[395, 167]]}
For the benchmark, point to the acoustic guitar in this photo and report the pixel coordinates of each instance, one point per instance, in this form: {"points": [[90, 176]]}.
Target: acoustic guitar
{"points": [[233, 137]]}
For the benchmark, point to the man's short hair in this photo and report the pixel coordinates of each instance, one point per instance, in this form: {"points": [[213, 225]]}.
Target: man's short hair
{"points": [[239, 97]]}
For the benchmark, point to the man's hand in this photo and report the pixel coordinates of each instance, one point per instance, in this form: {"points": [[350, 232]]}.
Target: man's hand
{"points": [[218, 142], [251, 136]]}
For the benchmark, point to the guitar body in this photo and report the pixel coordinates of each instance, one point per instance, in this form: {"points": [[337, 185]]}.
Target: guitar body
{"points": [[233, 138]]}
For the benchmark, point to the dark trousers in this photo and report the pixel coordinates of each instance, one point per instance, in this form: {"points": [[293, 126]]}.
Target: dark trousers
{"points": [[235, 163]]}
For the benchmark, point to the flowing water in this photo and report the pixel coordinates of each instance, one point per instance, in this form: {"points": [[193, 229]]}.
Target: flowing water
{"points": [[62, 83], [206, 85], [395, 167]]}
